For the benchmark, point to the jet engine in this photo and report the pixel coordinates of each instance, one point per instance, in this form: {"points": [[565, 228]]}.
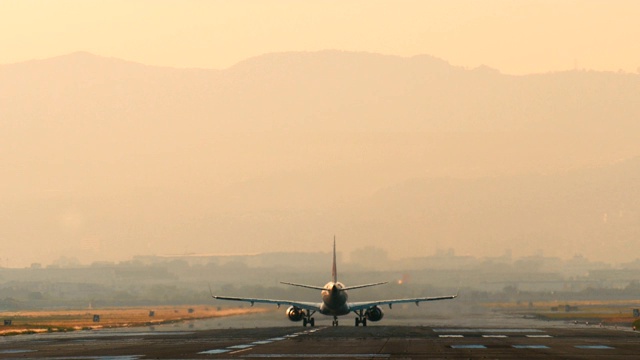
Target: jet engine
{"points": [[374, 314], [294, 313]]}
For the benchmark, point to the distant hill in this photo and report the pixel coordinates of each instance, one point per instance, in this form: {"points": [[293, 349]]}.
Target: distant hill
{"points": [[319, 91], [100, 154], [592, 212]]}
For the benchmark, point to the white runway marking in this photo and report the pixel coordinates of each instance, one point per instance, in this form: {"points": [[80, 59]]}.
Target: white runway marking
{"points": [[471, 346], [130, 334], [317, 356], [539, 336], [213, 352], [494, 336], [599, 347], [451, 336], [123, 357], [15, 351], [245, 347], [453, 330], [530, 346]]}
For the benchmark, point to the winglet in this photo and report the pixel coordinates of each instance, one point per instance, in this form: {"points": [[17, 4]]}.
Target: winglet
{"points": [[334, 271]]}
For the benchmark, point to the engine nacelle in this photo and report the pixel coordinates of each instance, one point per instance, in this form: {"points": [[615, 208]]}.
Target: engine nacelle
{"points": [[295, 314], [374, 314]]}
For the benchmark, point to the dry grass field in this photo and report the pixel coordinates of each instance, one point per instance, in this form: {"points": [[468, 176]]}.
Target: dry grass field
{"points": [[69, 320], [618, 312]]}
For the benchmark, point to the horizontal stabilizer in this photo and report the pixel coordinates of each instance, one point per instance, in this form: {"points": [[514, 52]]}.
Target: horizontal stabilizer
{"points": [[304, 285], [364, 286], [341, 289]]}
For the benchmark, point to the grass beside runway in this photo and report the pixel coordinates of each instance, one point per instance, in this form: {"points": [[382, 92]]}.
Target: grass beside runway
{"points": [[615, 312], [24, 322]]}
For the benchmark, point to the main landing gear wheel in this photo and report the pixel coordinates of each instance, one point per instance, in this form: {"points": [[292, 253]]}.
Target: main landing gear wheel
{"points": [[362, 321], [310, 321]]}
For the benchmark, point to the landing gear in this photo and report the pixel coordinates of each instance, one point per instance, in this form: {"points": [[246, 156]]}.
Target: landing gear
{"points": [[309, 320], [361, 319], [335, 321]]}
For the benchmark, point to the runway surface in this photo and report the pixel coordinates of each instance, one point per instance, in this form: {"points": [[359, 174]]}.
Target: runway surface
{"points": [[377, 341]]}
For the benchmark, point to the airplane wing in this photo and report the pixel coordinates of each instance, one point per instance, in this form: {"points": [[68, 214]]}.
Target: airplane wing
{"points": [[298, 304], [368, 304]]}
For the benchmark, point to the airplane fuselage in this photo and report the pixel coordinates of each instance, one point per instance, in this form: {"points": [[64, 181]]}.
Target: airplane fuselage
{"points": [[334, 300]]}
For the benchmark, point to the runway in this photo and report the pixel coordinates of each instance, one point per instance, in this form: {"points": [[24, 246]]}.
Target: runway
{"points": [[326, 342]]}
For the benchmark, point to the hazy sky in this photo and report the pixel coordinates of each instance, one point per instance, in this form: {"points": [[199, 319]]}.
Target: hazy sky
{"points": [[515, 37]]}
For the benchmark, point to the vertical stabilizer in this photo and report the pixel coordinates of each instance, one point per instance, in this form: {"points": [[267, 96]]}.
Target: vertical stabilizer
{"points": [[334, 271]]}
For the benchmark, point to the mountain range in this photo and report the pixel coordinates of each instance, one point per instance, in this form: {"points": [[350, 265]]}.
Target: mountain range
{"points": [[104, 158]]}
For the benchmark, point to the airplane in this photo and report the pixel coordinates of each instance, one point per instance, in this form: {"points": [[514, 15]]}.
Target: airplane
{"points": [[334, 301]]}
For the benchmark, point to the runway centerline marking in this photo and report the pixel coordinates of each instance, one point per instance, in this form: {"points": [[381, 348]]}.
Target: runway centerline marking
{"points": [[261, 342], [16, 351], [470, 346], [245, 347], [539, 336], [596, 347], [214, 352], [451, 336], [494, 336], [530, 346]]}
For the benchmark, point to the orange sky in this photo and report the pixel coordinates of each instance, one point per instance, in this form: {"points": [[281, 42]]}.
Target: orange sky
{"points": [[515, 37]]}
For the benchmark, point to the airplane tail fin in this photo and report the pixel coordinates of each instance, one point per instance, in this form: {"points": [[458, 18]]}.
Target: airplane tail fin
{"points": [[334, 271]]}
